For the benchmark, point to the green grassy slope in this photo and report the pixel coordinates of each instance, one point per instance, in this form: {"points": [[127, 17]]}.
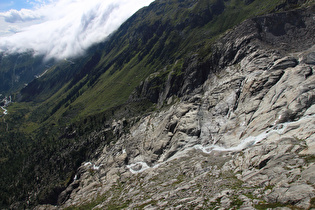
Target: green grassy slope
{"points": [[155, 37]]}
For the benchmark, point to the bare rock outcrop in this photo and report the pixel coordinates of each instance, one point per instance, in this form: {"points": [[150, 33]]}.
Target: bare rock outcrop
{"points": [[242, 137]]}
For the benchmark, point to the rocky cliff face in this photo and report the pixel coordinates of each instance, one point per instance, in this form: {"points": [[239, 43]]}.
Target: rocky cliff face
{"points": [[236, 129]]}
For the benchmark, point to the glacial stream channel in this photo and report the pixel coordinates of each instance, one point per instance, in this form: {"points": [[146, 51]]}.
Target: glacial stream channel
{"points": [[5, 112], [139, 167]]}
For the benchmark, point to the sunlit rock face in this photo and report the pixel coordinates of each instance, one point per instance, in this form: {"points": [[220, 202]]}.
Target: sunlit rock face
{"points": [[243, 138]]}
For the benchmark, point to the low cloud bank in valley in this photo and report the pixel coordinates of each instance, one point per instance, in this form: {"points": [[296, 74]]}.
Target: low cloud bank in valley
{"points": [[66, 28]]}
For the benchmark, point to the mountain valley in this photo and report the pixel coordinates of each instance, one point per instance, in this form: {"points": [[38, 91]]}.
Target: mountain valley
{"points": [[203, 104]]}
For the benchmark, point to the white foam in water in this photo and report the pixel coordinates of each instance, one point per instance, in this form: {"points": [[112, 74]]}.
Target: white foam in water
{"points": [[5, 112], [245, 143], [88, 163], [251, 140], [96, 167], [138, 167]]}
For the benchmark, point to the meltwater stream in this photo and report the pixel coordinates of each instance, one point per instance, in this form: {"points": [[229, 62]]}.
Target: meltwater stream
{"points": [[141, 166], [245, 143], [5, 112], [249, 141], [6, 102], [280, 129]]}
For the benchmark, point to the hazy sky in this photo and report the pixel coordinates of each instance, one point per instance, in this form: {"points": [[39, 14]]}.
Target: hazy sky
{"points": [[61, 28], [6, 5]]}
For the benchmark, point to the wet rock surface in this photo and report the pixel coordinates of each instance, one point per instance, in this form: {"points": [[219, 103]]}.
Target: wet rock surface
{"points": [[243, 139]]}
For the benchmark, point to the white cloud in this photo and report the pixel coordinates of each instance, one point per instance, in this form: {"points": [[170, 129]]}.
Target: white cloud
{"points": [[23, 15], [14, 29], [67, 27]]}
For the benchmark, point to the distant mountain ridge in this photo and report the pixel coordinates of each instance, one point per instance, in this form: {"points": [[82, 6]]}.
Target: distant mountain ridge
{"points": [[17, 70]]}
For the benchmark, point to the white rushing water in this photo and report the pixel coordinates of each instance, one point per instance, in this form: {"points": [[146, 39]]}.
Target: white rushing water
{"points": [[252, 140], [245, 143], [94, 167], [280, 129], [6, 101], [5, 112], [141, 166], [138, 167]]}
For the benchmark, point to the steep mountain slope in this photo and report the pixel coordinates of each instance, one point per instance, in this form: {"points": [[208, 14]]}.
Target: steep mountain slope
{"points": [[19, 69], [243, 139], [158, 36], [163, 86]]}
